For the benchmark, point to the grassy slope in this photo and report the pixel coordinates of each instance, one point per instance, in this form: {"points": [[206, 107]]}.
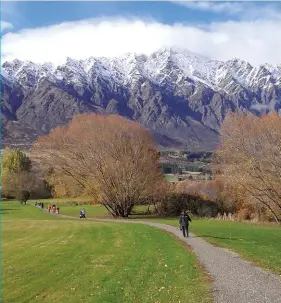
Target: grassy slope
{"points": [[260, 244], [46, 259]]}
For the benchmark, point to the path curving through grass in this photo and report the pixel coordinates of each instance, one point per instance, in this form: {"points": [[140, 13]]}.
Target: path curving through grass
{"points": [[47, 259], [234, 279]]}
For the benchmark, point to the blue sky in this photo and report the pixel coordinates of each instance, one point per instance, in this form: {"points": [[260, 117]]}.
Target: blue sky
{"points": [[43, 13], [35, 14], [219, 30]]}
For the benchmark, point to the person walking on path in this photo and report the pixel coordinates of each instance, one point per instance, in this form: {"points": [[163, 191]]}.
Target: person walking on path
{"points": [[49, 208], [184, 223], [58, 210]]}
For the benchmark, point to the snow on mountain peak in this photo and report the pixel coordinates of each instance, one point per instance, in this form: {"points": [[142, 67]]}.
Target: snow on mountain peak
{"points": [[168, 65]]}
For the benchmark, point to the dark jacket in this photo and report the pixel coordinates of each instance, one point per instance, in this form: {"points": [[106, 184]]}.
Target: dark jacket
{"points": [[184, 220]]}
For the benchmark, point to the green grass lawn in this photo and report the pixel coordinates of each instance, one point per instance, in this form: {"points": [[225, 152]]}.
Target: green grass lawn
{"points": [[258, 243], [94, 211], [47, 259], [12, 211], [67, 207], [63, 201]]}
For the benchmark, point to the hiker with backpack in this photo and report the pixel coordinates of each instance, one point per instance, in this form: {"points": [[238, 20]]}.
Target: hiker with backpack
{"points": [[184, 223]]}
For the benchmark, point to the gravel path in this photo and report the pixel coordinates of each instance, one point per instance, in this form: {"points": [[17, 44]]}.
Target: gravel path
{"points": [[234, 280]]}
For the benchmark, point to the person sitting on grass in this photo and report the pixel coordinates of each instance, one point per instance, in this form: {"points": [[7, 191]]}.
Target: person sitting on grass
{"points": [[184, 223], [83, 214]]}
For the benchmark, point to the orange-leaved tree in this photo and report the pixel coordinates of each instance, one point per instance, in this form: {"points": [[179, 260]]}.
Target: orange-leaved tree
{"points": [[114, 158], [250, 154]]}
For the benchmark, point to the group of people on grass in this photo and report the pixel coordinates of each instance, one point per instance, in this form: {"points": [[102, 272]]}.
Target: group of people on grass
{"points": [[39, 204], [54, 208]]}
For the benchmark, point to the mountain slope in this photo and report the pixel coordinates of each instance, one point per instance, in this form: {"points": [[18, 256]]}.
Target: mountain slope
{"points": [[180, 96]]}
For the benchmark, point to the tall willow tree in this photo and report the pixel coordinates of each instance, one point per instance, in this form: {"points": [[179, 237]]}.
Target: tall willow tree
{"points": [[112, 157]]}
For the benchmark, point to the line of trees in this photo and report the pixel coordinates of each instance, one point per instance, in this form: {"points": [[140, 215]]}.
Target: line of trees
{"points": [[114, 161]]}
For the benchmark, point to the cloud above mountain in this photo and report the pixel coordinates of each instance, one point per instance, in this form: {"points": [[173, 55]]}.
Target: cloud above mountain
{"points": [[254, 41], [6, 25]]}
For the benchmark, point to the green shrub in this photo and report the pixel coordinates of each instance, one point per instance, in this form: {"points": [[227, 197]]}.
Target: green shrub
{"points": [[23, 196], [176, 202]]}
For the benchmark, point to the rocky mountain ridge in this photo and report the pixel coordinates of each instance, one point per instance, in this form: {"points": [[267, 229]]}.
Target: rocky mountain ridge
{"points": [[180, 96]]}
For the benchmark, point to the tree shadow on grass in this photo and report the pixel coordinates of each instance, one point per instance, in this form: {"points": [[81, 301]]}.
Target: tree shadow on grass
{"points": [[216, 237], [6, 210], [140, 215]]}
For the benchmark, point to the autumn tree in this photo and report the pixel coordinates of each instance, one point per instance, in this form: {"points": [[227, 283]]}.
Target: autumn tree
{"points": [[63, 186], [250, 157], [159, 198], [112, 157]]}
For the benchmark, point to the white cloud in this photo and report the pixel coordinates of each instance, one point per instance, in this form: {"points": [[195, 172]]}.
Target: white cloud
{"points": [[6, 26], [254, 41], [225, 7], [242, 9]]}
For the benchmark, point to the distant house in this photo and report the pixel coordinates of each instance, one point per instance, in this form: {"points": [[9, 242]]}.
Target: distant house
{"points": [[172, 178], [192, 173]]}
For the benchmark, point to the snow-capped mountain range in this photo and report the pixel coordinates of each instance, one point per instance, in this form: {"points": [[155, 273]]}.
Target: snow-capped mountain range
{"points": [[181, 96]]}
